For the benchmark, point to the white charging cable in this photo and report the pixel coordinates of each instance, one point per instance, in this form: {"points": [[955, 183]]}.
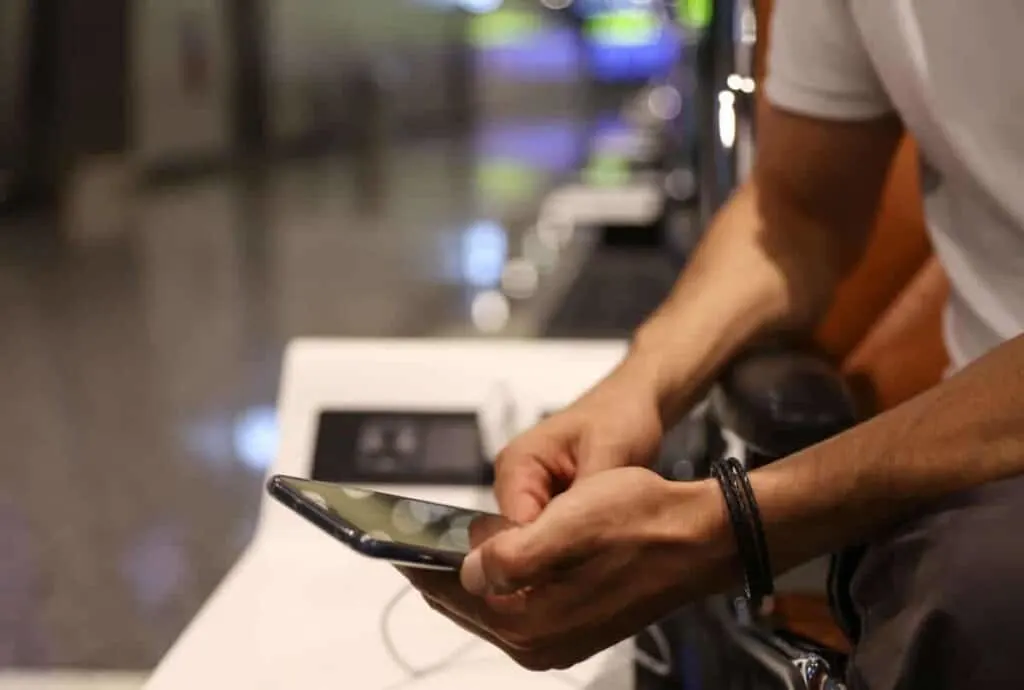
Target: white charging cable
{"points": [[497, 417], [500, 418]]}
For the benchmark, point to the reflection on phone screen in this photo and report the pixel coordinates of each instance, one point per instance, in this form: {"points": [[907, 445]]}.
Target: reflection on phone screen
{"points": [[395, 518]]}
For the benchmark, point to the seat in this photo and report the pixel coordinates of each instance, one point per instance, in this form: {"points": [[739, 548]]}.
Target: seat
{"points": [[879, 344]]}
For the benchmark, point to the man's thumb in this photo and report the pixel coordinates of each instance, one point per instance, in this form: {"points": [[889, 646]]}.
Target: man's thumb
{"points": [[506, 563]]}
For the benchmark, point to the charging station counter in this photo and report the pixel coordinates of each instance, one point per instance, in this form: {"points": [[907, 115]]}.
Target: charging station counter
{"points": [[418, 418]]}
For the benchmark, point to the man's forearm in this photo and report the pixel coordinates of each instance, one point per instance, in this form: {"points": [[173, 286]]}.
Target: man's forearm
{"points": [[963, 433], [774, 255], [746, 278]]}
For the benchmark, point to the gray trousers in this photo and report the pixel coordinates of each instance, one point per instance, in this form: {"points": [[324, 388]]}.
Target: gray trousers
{"points": [[941, 599]]}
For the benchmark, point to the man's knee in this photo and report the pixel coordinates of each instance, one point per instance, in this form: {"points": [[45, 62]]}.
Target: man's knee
{"points": [[941, 599]]}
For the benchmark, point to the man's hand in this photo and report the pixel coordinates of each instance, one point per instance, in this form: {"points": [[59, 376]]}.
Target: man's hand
{"points": [[616, 424], [624, 547], [603, 561]]}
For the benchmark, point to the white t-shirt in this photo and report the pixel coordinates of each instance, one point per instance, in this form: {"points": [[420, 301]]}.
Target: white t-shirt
{"points": [[954, 72]]}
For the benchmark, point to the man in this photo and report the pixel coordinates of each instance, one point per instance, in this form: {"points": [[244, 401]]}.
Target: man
{"points": [[605, 546]]}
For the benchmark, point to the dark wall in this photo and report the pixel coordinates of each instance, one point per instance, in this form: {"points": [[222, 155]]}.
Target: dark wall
{"points": [[13, 71], [70, 95], [23, 126], [249, 29], [92, 75]]}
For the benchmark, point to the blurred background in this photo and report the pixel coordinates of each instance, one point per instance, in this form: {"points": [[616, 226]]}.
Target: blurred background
{"points": [[186, 185]]}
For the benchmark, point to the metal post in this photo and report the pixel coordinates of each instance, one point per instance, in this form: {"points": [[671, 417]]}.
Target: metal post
{"points": [[247, 21]]}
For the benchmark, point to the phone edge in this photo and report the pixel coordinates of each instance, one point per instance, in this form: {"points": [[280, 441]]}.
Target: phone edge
{"points": [[357, 539]]}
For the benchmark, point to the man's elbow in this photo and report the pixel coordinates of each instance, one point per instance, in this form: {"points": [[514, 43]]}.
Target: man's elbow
{"points": [[813, 250]]}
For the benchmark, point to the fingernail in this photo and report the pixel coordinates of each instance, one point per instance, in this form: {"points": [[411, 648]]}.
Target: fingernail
{"points": [[473, 578]]}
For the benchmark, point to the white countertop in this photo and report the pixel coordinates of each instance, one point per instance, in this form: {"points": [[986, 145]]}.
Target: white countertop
{"points": [[300, 609]]}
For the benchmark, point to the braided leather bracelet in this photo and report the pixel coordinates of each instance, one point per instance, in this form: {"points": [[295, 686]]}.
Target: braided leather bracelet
{"points": [[748, 530]]}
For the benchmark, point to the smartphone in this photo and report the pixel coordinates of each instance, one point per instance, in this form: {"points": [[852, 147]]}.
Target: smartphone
{"points": [[401, 530]]}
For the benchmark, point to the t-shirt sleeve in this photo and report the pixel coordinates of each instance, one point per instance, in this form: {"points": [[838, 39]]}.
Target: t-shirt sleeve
{"points": [[818, 65]]}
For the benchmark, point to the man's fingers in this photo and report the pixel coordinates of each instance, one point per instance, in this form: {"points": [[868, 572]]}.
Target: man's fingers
{"points": [[517, 558], [430, 580], [517, 646], [500, 566], [522, 485], [484, 527], [463, 620]]}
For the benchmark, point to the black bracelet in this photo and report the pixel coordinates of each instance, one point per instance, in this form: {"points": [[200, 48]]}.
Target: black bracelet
{"points": [[744, 547], [746, 524], [760, 541], [748, 530]]}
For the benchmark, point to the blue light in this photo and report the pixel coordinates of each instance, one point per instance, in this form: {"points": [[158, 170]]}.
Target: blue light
{"points": [[484, 251], [255, 437], [553, 145], [548, 55], [651, 56]]}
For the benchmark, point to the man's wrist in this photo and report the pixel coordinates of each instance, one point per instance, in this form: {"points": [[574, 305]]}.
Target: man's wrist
{"points": [[669, 370], [646, 369], [695, 520]]}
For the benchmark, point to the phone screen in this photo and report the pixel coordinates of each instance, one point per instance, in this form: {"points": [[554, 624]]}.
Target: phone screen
{"points": [[389, 518]]}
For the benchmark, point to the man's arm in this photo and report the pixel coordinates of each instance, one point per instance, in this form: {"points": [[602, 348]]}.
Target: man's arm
{"points": [[771, 259], [774, 255], [965, 432], [622, 547]]}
